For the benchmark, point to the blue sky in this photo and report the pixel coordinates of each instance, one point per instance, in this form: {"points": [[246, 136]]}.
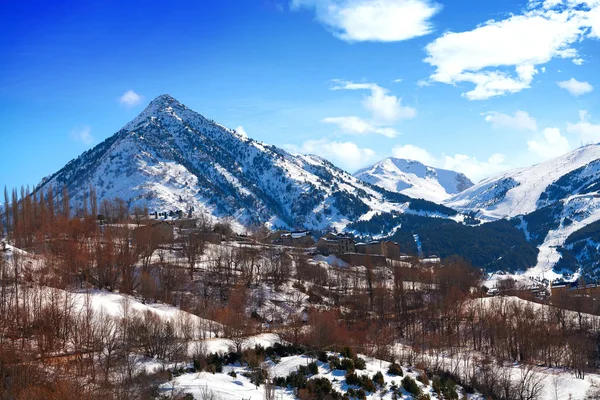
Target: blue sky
{"points": [[479, 87]]}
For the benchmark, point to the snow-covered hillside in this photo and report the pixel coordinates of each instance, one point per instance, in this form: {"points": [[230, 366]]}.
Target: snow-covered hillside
{"points": [[170, 157], [524, 190], [414, 179], [553, 200]]}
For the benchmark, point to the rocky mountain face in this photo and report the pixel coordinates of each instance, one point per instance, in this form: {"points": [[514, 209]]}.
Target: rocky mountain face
{"points": [[414, 179], [170, 157]]}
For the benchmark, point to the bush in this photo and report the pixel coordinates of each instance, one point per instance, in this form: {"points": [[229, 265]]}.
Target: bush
{"points": [[347, 365], [362, 381], [359, 363], [378, 378], [296, 380], [395, 369], [322, 356], [258, 377], [411, 386], [348, 352], [280, 381], [284, 350], [320, 387], [352, 379], [313, 369], [422, 377], [358, 394], [445, 386]]}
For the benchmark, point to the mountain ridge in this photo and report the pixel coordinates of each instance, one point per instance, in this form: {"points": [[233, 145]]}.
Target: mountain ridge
{"points": [[549, 202], [170, 156], [414, 179]]}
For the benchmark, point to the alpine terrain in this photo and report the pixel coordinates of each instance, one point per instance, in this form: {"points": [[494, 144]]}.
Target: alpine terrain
{"points": [[414, 179], [555, 203], [172, 158]]}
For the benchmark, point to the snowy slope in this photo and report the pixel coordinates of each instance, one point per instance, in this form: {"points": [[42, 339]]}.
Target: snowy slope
{"points": [[414, 179], [524, 190], [224, 386], [170, 157], [580, 211], [552, 199]]}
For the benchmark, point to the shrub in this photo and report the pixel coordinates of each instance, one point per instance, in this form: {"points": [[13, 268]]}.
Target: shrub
{"points": [[422, 377], [395, 369], [303, 369], [320, 387], [411, 386], [258, 376], [280, 381], [352, 379], [359, 363], [232, 374], [358, 394], [296, 380], [362, 381], [378, 378], [445, 386], [322, 356], [347, 365], [348, 352], [284, 350], [368, 384], [313, 369]]}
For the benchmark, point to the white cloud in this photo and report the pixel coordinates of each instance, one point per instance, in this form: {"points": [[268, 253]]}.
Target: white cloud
{"points": [[346, 155], [411, 152], [575, 87], [385, 108], [83, 135], [500, 57], [473, 168], [549, 145], [130, 99], [578, 61], [521, 120], [398, 80], [358, 126], [241, 131], [587, 132], [373, 20]]}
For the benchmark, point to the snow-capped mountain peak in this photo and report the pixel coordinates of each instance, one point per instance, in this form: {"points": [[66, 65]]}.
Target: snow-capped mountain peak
{"points": [[171, 158], [414, 179]]}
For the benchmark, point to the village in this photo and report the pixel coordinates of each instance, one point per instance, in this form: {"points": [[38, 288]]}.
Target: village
{"points": [[168, 228]]}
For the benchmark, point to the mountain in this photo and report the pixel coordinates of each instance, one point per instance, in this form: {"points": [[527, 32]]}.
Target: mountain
{"points": [[170, 157], [414, 179], [552, 203]]}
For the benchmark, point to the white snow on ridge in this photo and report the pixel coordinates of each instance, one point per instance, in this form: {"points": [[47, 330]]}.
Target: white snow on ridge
{"points": [[414, 179], [582, 210], [517, 192], [172, 158]]}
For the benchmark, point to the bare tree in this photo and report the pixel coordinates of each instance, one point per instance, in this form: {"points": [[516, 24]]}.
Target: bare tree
{"points": [[193, 248]]}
